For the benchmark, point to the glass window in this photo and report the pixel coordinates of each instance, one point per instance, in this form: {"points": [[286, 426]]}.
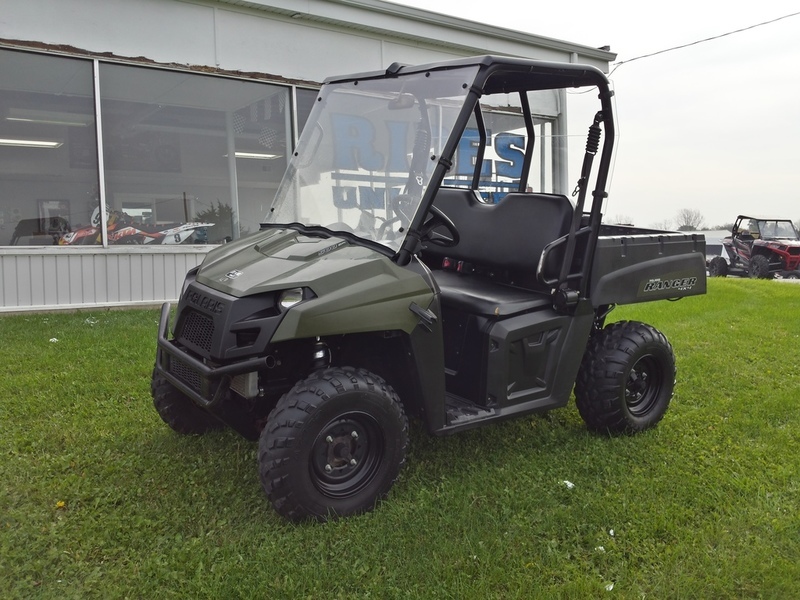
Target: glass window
{"points": [[196, 156], [507, 139], [48, 152], [186, 157], [305, 102]]}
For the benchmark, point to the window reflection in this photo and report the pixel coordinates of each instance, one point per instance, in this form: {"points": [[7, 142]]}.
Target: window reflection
{"points": [[48, 185], [178, 148], [185, 148]]}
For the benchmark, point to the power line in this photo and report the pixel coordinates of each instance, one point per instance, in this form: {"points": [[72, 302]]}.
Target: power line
{"points": [[708, 39]]}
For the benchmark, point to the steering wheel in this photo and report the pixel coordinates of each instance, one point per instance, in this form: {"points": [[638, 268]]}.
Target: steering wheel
{"points": [[401, 205], [435, 220]]}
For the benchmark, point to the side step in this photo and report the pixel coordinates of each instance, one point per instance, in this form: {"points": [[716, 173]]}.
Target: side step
{"points": [[461, 411]]}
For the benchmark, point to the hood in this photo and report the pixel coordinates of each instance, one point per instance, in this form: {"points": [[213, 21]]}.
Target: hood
{"points": [[277, 259]]}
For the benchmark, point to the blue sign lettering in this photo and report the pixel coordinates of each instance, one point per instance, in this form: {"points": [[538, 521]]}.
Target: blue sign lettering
{"points": [[371, 198], [354, 149], [398, 134], [345, 197], [510, 147], [468, 153]]}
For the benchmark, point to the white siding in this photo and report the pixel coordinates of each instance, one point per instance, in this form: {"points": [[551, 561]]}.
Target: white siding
{"points": [[37, 279]]}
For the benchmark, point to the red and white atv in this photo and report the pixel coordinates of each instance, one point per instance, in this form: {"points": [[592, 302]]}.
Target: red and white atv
{"points": [[760, 248]]}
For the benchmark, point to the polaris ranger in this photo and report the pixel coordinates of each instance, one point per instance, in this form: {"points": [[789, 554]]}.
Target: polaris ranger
{"points": [[421, 259]]}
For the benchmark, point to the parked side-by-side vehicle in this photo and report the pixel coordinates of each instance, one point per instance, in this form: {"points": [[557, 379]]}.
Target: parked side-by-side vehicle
{"points": [[421, 260]]}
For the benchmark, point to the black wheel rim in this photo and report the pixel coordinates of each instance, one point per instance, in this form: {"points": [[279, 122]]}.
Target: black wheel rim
{"points": [[347, 455], [643, 386]]}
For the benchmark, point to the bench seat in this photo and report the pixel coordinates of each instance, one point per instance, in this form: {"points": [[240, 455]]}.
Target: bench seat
{"points": [[481, 296]]}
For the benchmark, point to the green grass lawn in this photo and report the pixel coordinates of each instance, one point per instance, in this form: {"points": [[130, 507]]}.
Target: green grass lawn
{"points": [[99, 499]]}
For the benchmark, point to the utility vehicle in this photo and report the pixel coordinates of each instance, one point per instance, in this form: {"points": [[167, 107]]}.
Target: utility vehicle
{"points": [[759, 247], [420, 259]]}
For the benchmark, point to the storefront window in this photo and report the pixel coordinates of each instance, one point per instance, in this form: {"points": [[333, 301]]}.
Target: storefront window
{"points": [[187, 158], [183, 148], [48, 152]]}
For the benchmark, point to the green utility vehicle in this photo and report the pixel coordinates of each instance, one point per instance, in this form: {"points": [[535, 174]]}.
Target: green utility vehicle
{"points": [[420, 259]]}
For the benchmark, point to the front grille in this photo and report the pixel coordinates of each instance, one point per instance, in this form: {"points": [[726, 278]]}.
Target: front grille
{"points": [[198, 329], [185, 373]]}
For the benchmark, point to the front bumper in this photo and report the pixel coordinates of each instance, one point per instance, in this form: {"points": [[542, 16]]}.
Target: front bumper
{"points": [[792, 262], [204, 382]]}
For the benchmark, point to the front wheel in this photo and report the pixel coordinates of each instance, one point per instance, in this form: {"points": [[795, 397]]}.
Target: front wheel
{"points": [[333, 446], [759, 267], [717, 267], [178, 411], [626, 378]]}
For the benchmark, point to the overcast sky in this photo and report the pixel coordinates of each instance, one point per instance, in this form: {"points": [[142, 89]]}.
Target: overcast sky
{"points": [[713, 127]]}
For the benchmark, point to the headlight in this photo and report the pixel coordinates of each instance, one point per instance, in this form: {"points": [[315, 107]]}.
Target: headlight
{"points": [[289, 298]]}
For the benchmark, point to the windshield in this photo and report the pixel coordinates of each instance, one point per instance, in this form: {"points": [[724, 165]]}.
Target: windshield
{"points": [[777, 230], [367, 153]]}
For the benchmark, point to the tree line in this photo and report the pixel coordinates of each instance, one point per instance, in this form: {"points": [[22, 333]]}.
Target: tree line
{"points": [[686, 219]]}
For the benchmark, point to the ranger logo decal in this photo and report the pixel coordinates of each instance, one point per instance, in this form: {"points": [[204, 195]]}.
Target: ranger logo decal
{"points": [[681, 283]]}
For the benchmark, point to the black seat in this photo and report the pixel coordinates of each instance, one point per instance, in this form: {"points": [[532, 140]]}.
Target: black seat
{"points": [[501, 244], [481, 296]]}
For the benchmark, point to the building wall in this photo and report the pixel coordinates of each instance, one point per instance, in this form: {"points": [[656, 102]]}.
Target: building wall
{"points": [[281, 42], [35, 279], [309, 40]]}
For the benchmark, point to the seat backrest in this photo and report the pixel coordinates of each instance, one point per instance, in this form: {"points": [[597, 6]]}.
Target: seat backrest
{"points": [[509, 235]]}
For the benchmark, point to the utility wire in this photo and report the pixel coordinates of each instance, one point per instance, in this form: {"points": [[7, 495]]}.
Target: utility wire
{"points": [[716, 37]]}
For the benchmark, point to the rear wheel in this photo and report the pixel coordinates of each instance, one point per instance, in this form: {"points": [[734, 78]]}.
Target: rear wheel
{"points": [[718, 267], [759, 267], [626, 378], [178, 411], [333, 446]]}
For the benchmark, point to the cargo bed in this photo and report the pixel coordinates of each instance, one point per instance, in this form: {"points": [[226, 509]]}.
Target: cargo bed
{"points": [[637, 265]]}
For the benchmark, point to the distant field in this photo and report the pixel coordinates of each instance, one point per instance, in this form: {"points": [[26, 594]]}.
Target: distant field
{"points": [[99, 499]]}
